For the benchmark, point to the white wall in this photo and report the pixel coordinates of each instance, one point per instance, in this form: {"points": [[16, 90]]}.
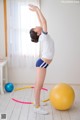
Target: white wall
{"points": [[64, 27], [2, 48]]}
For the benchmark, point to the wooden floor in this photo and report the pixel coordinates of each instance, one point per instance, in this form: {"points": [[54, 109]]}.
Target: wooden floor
{"points": [[17, 111]]}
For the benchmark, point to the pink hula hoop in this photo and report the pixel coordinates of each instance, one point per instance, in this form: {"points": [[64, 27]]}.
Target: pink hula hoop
{"points": [[23, 102]]}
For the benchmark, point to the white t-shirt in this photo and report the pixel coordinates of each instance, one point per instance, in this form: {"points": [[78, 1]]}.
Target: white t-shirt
{"points": [[46, 46]]}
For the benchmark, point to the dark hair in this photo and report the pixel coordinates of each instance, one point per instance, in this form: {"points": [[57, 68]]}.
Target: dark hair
{"points": [[34, 36]]}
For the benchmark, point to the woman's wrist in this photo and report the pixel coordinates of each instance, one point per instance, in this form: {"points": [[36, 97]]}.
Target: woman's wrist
{"points": [[37, 9]]}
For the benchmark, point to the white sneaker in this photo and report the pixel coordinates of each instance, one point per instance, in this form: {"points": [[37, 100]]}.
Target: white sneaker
{"points": [[40, 111]]}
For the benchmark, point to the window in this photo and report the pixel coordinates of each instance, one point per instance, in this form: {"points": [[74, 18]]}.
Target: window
{"points": [[20, 21]]}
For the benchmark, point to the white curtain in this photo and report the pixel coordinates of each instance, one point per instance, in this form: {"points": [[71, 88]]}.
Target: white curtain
{"points": [[21, 51]]}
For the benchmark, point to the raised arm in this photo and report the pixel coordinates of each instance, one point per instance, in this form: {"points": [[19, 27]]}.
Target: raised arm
{"points": [[40, 16]]}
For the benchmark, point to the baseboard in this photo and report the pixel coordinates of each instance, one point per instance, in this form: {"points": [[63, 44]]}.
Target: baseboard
{"points": [[45, 84]]}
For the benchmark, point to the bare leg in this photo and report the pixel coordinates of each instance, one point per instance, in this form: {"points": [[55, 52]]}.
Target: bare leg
{"points": [[41, 73]]}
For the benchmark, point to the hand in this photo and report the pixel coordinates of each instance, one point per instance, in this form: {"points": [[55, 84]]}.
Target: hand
{"points": [[33, 8]]}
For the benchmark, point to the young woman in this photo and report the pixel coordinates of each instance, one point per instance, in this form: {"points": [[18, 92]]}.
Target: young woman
{"points": [[40, 34]]}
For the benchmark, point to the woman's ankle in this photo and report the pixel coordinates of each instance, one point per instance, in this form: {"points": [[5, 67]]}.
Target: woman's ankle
{"points": [[37, 106]]}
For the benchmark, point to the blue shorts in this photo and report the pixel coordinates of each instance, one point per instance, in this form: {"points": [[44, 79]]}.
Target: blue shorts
{"points": [[41, 63]]}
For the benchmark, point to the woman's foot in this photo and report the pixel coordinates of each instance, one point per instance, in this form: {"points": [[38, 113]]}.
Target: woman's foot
{"points": [[40, 110]]}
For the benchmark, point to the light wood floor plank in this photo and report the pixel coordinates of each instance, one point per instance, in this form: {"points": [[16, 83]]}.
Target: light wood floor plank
{"points": [[14, 108], [75, 110], [54, 113], [41, 117], [32, 115], [25, 107], [4, 101], [48, 106], [65, 115]]}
